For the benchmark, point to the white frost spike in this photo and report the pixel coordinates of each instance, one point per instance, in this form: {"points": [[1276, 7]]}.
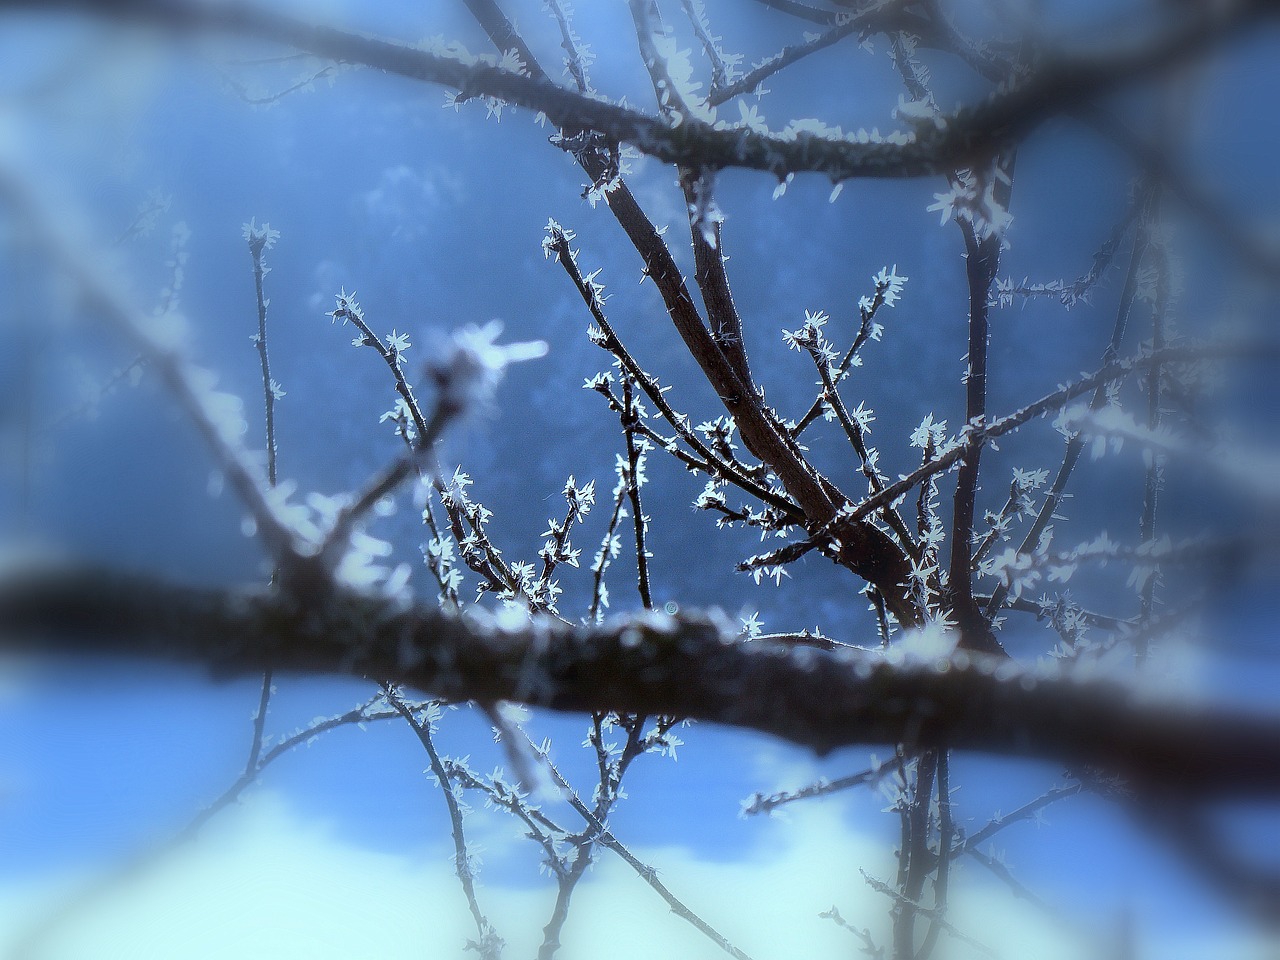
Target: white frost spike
{"points": [[751, 118], [835, 192], [919, 113], [929, 643], [259, 236], [473, 365], [889, 284], [781, 188]]}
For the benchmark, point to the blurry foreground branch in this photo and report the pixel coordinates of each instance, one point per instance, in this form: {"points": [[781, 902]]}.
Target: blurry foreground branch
{"points": [[1060, 83], [693, 665]]}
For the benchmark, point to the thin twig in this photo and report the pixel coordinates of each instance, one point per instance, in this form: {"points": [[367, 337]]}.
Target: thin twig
{"points": [[949, 928], [1075, 444], [188, 385], [640, 522], [648, 874], [1027, 811], [461, 854], [878, 17], [759, 803]]}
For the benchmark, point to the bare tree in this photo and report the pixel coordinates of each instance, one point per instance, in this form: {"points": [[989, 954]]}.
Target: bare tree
{"points": [[973, 643]]}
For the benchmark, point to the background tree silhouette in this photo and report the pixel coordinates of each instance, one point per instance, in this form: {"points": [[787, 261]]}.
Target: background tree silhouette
{"points": [[966, 606]]}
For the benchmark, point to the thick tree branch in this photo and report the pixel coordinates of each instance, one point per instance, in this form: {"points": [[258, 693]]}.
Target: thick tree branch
{"points": [[1008, 116], [692, 666]]}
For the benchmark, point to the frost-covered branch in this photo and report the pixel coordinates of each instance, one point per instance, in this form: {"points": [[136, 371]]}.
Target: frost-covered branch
{"points": [[692, 665], [855, 430], [888, 287], [1253, 470], [954, 452], [633, 476], [722, 66], [759, 803], [1029, 810], [576, 59], [489, 945], [1075, 444], [1006, 117], [880, 16], [465, 379], [914, 908], [600, 833], [801, 11], [261, 239], [558, 242], [982, 260], [215, 415]]}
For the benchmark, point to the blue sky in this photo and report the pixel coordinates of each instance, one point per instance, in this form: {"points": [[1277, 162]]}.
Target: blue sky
{"points": [[435, 218]]}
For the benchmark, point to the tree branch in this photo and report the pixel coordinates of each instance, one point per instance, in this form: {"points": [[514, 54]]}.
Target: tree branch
{"points": [[692, 665], [1060, 84]]}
